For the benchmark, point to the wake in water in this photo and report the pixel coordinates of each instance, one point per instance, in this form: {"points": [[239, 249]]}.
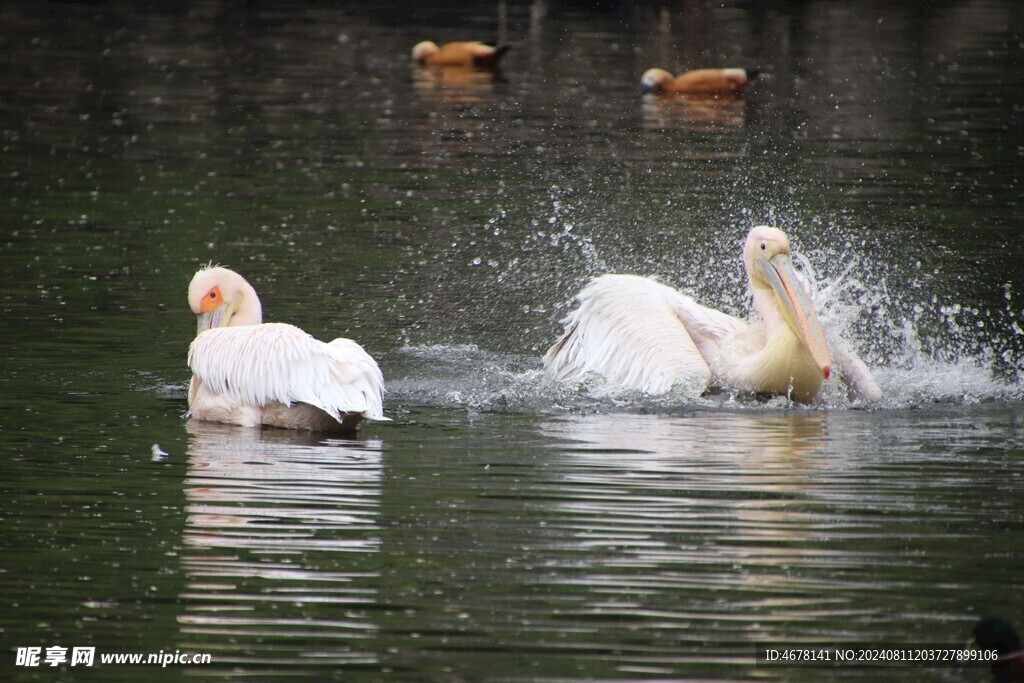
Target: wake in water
{"points": [[466, 377]]}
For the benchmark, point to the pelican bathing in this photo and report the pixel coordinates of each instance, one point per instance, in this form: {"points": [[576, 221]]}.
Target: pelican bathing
{"points": [[645, 336]]}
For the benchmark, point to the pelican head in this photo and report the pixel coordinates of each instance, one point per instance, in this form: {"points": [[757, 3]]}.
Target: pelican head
{"points": [[422, 51], [654, 80], [769, 268], [220, 297]]}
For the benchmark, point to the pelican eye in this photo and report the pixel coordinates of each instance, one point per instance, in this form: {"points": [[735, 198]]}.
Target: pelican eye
{"points": [[764, 246], [213, 295]]}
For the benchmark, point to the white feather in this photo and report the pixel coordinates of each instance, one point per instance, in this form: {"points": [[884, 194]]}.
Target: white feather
{"points": [[258, 365], [633, 331]]}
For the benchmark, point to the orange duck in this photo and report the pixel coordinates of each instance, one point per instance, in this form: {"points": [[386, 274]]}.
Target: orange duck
{"points": [[460, 53], [707, 82]]}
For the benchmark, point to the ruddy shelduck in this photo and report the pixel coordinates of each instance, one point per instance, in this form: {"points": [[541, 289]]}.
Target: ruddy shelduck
{"points": [[467, 53], [705, 82]]}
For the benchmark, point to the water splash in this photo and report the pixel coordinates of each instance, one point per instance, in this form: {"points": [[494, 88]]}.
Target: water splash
{"points": [[463, 376], [466, 377], [922, 345], [883, 290]]}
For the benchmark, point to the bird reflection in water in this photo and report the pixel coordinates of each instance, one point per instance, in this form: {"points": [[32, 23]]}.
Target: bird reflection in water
{"points": [[280, 544], [456, 129], [697, 113], [455, 84], [669, 511], [719, 476]]}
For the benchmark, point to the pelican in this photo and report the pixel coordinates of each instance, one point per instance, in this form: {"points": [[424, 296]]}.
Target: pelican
{"points": [[708, 82], [460, 53], [648, 337], [247, 372]]}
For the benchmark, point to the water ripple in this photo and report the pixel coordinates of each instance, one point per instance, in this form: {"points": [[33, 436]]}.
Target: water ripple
{"points": [[279, 524]]}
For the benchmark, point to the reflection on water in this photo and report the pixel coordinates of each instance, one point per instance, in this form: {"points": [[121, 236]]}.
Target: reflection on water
{"points": [[693, 113], [707, 490], [699, 505], [279, 537], [611, 545], [655, 517], [455, 85]]}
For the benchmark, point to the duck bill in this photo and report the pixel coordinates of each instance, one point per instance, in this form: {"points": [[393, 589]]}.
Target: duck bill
{"points": [[218, 317], [796, 307]]}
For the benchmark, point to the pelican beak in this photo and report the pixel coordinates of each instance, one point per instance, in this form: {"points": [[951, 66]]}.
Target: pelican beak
{"points": [[217, 317], [796, 306], [209, 320]]}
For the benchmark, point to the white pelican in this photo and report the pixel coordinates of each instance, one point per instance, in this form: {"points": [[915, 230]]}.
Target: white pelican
{"points": [[648, 337], [251, 373]]}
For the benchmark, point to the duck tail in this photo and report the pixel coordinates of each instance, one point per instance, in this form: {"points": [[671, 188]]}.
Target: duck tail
{"points": [[491, 61]]}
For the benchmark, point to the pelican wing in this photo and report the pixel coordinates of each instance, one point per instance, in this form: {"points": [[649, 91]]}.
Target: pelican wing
{"points": [[709, 329], [360, 376], [256, 365], [630, 330]]}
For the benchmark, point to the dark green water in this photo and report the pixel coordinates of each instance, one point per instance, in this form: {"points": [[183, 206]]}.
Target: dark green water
{"points": [[501, 528]]}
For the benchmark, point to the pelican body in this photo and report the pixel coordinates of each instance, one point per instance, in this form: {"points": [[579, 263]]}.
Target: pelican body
{"points": [[703, 82], [461, 53], [250, 373], [648, 337]]}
